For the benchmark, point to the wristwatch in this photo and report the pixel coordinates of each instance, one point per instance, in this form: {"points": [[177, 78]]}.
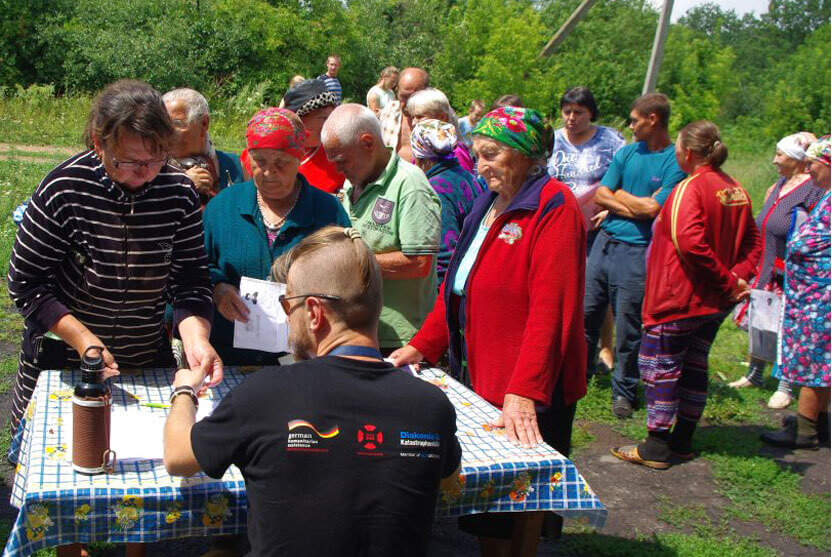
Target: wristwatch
{"points": [[185, 390]]}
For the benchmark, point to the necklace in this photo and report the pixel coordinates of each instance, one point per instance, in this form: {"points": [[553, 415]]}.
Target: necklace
{"points": [[275, 225]]}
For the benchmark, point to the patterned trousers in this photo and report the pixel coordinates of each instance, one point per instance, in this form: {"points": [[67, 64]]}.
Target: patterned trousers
{"points": [[673, 361]]}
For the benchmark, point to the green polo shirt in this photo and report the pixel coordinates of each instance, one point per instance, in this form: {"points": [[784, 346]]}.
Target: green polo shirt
{"points": [[399, 211]]}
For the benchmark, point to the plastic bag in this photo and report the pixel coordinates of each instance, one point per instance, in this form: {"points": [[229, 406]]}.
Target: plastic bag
{"points": [[763, 325]]}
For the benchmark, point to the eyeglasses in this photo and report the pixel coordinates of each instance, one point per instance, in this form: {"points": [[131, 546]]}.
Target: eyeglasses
{"points": [[287, 307], [135, 165]]}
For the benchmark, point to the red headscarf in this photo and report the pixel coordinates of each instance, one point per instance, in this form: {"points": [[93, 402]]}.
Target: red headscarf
{"points": [[274, 128]]}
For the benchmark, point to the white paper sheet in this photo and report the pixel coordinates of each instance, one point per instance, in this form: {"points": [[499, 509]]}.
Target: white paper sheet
{"points": [[137, 434], [267, 329]]}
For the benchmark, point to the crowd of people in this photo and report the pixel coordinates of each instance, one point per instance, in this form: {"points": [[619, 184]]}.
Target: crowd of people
{"points": [[491, 245]]}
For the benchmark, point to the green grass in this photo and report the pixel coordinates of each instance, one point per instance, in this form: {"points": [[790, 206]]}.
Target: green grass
{"points": [[708, 543]]}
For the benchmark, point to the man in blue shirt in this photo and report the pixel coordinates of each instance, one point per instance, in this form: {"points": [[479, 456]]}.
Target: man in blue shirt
{"points": [[333, 66], [632, 192]]}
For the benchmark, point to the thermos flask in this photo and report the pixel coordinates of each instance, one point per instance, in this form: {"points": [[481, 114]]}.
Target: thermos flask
{"points": [[91, 403]]}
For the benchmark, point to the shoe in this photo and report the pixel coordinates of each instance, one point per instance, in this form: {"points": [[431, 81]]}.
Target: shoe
{"points": [[621, 407], [602, 368], [779, 400], [823, 427], [629, 453], [788, 438], [741, 383]]}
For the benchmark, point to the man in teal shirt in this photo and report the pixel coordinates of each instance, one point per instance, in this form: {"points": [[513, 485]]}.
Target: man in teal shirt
{"points": [[398, 213], [633, 190]]}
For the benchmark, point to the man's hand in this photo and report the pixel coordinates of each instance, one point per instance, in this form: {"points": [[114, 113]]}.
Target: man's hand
{"points": [[194, 378], [405, 355], [199, 353], [741, 291], [520, 421], [202, 179], [229, 303], [598, 218]]}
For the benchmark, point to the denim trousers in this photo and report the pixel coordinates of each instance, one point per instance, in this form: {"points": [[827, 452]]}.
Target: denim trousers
{"points": [[615, 275]]}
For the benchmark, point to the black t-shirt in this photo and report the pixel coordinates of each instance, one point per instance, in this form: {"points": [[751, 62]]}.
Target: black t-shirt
{"points": [[340, 456]]}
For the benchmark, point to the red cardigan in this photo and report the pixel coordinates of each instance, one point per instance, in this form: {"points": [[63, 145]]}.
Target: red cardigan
{"points": [[524, 318], [703, 240]]}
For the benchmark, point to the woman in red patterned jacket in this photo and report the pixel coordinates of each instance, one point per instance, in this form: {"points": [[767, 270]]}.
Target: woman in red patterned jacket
{"points": [[510, 310], [705, 248]]}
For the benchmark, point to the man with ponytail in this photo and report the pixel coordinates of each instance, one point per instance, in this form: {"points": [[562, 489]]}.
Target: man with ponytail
{"points": [[342, 453], [705, 249]]}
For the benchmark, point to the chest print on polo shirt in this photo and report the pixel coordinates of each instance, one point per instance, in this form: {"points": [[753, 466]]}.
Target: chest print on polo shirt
{"points": [[510, 233], [383, 210]]}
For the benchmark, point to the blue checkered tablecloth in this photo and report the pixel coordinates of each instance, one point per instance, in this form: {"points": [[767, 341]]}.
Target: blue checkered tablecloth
{"points": [[140, 502]]}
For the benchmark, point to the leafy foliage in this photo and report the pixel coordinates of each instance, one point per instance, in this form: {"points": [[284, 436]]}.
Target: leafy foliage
{"points": [[768, 75]]}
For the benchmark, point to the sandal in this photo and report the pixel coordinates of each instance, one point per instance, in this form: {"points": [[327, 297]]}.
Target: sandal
{"points": [[629, 453]]}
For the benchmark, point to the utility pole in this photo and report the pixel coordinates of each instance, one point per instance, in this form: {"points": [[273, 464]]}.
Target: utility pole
{"points": [[658, 48], [566, 28]]}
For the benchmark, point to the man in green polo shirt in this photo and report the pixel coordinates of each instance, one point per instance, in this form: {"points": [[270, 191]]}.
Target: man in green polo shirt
{"points": [[391, 202]]}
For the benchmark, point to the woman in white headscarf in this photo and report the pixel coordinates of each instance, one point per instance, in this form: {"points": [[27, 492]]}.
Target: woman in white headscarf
{"points": [[794, 191]]}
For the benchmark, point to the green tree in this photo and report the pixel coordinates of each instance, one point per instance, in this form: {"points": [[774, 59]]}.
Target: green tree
{"points": [[696, 74], [799, 99]]}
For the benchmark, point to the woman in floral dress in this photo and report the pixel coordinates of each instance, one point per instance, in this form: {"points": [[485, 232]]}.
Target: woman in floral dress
{"points": [[804, 348]]}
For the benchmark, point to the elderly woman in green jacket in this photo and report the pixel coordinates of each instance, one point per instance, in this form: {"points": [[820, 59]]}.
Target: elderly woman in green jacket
{"points": [[249, 225]]}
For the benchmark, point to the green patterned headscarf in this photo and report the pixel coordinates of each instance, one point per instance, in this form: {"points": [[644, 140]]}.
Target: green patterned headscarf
{"points": [[519, 128]]}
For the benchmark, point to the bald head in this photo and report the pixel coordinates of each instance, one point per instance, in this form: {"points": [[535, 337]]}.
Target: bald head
{"points": [[352, 140], [410, 81], [348, 122]]}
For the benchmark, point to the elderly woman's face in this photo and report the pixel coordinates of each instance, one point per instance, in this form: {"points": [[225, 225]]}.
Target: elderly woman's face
{"points": [[785, 165], [131, 162], [422, 114], [274, 173], [820, 174], [314, 122], [502, 168]]}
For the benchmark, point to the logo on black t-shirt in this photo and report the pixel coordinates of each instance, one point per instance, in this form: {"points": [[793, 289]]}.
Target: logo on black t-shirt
{"points": [[305, 441], [370, 437]]}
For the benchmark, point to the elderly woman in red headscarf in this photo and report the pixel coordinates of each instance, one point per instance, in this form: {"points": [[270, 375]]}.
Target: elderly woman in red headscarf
{"points": [[250, 224]]}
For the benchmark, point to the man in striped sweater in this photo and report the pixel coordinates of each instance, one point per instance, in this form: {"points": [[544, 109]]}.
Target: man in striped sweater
{"points": [[109, 237]]}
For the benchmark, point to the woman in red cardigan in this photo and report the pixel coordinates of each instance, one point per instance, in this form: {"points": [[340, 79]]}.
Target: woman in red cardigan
{"points": [[705, 248], [510, 310]]}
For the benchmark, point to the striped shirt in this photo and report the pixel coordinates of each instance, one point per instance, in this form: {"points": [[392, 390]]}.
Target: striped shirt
{"points": [[109, 257], [333, 85]]}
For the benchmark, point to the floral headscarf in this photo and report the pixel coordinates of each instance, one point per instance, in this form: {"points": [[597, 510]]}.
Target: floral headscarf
{"points": [[433, 140], [274, 128], [820, 150], [520, 128]]}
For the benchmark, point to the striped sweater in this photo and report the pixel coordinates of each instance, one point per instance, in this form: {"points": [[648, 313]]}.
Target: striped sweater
{"points": [[109, 257]]}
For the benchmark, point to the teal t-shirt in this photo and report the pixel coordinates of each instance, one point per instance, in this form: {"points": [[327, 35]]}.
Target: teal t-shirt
{"points": [[643, 173]]}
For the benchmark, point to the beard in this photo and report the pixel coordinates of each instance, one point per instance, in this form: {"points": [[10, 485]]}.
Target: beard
{"points": [[300, 340]]}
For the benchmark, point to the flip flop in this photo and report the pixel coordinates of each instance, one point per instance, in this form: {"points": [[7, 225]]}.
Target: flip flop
{"points": [[629, 453]]}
